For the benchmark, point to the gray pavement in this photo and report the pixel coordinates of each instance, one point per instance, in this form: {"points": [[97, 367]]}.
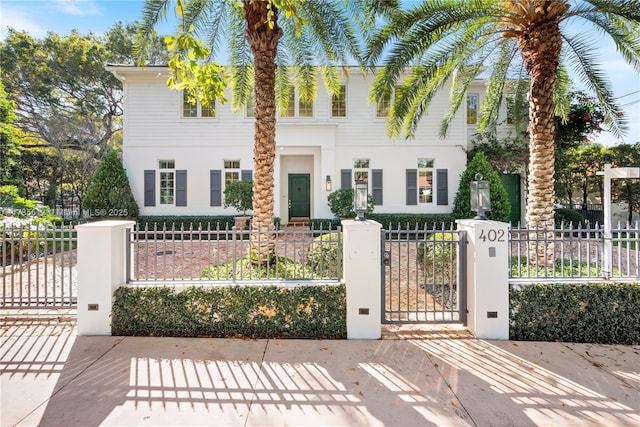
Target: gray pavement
{"points": [[51, 377]]}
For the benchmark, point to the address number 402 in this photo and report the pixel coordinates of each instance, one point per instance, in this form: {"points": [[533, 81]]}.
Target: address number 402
{"points": [[492, 235]]}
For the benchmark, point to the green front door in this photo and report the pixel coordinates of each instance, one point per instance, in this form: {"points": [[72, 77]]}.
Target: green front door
{"points": [[299, 195], [511, 183]]}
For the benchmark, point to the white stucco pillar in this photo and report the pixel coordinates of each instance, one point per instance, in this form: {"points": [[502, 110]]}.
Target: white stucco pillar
{"points": [[101, 269], [487, 278], [362, 265]]}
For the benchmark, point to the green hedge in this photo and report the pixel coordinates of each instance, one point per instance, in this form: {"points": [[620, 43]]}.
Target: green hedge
{"points": [[237, 311], [178, 221], [594, 313], [411, 221]]}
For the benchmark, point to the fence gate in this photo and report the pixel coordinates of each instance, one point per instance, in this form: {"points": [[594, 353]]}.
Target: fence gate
{"points": [[424, 276]]}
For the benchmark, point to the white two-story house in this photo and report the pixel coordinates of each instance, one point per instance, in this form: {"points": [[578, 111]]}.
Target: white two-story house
{"points": [[179, 156]]}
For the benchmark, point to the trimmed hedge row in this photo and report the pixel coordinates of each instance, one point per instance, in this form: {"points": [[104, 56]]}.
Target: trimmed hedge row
{"points": [[411, 221], [237, 311], [607, 313], [223, 221]]}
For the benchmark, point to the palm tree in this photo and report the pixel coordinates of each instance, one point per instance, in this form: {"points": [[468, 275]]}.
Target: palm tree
{"points": [[272, 45], [526, 41]]}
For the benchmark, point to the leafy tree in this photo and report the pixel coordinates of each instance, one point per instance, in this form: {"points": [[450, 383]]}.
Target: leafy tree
{"points": [[272, 45], [456, 40], [500, 207], [9, 152], [109, 194]]}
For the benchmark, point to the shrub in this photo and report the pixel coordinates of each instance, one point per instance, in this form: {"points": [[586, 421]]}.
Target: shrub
{"points": [[235, 311], [243, 268], [324, 255], [437, 249], [500, 207], [239, 195], [341, 203], [568, 218], [109, 195], [592, 312]]}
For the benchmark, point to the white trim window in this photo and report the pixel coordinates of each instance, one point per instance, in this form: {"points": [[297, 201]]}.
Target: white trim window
{"points": [[195, 110], [296, 107], [231, 171], [167, 181], [339, 103], [472, 109], [361, 171], [425, 180]]}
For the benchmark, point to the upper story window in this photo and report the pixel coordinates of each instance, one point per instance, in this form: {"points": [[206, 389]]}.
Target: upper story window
{"points": [[425, 180], [250, 107], [472, 109], [190, 109], [384, 106], [167, 181], [361, 170], [339, 103], [296, 107]]}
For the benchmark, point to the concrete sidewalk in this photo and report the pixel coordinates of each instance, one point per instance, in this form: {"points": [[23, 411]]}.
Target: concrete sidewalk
{"points": [[50, 377]]}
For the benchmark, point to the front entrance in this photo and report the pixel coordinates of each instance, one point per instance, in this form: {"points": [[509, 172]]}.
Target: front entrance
{"points": [[424, 276], [299, 195]]}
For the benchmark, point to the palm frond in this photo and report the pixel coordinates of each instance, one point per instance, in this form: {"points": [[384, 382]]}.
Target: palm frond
{"points": [[580, 53], [153, 12]]}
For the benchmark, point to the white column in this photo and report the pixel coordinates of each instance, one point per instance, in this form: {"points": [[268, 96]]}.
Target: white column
{"points": [[487, 278], [362, 269], [101, 270]]}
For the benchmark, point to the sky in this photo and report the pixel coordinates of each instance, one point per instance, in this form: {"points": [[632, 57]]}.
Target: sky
{"points": [[37, 17]]}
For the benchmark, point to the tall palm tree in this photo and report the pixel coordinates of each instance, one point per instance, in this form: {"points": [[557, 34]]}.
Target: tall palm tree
{"points": [[272, 45], [527, 41]]}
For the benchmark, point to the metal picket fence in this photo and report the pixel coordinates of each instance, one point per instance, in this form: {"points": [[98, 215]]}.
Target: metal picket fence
{"points": [[200, 253], [575, 253], [38, 266]]}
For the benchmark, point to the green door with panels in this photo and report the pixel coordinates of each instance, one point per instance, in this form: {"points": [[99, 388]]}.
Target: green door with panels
{"points": [[299, 195], [511, 183]]}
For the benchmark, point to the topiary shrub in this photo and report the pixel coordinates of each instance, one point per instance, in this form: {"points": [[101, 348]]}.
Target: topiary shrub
{"points": [[239, 195], [325, 255], [500, 207], [341, 203], [109, 195], [568, 218]]}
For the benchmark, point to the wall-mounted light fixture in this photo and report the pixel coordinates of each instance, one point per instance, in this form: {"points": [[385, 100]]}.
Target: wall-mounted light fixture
{"points": [[480, 196], [327, 183], [360, 199]]}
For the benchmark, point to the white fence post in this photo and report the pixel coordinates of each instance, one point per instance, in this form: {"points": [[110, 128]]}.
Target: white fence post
{"points": [[101, 269], [487, 278], [362, 269]]}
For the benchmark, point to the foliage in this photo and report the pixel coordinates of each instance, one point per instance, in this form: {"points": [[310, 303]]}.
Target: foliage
{"points": [[506, 155], [627, 190], [595, 313], [109, 195], [9, 152], [500, 207], [568, 218], [324, 256], [436, 250], [247, 311], [408, 221], [12, 205], [244, 268], [342, 205], [324, 223], [239, 195]]}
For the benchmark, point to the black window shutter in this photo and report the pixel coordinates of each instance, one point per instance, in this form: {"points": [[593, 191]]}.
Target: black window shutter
{"points": [[443, 187], [345, 178], [412, 187], [376, 186], [246, 175], [150, 188], [215, 183], [181, 188]]}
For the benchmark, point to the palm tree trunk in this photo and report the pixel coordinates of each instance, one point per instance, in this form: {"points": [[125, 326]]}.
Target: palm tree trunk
{"points": [[540, 46], [263, 34]]}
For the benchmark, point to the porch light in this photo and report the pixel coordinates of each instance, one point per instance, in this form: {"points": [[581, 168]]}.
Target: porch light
{"points": [[360, 199], [480, 197], [327, 183]]}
